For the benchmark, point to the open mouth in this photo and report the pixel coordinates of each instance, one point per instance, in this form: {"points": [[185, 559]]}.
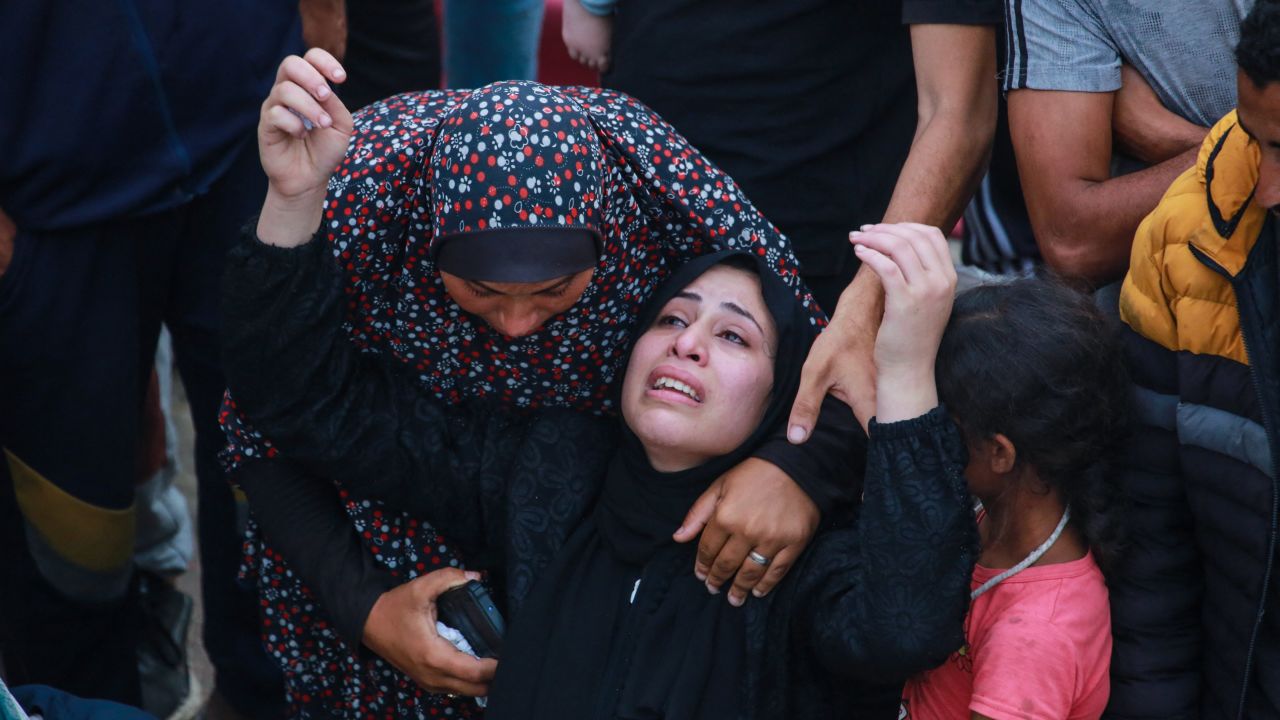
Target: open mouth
{"points": [[668, 383]]}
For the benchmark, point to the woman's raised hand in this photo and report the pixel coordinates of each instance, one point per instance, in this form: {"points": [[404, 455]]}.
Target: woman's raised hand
{"points": [[914, 264], [302, 136]]}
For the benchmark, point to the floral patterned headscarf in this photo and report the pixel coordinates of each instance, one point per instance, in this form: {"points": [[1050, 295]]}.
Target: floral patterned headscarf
{"points": [[423, 166]]}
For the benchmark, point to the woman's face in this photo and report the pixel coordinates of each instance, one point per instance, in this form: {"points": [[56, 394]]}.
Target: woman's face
{"points": [[517, 309], [699, 378]]}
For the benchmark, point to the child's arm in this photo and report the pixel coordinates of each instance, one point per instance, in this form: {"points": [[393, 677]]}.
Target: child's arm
{"points": [[587, 29]]}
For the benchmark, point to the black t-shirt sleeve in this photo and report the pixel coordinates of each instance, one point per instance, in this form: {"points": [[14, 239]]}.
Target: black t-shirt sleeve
{"points": [[952, 12]]}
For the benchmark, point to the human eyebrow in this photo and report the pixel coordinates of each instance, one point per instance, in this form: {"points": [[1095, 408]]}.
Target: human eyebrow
{"points": [[557, 284], [739, 310], [686, 295], [484, 287], [556, 287]]}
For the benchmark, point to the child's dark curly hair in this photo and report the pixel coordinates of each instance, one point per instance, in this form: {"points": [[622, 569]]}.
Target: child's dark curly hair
{"points": [[1036, 361]]}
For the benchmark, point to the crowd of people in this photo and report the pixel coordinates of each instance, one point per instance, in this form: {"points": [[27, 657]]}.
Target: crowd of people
{"points": [[678, 372]]}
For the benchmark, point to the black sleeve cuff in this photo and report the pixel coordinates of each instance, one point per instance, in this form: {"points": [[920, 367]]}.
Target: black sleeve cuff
{"points": [[952, 12], [829, 465], [936, 420]]}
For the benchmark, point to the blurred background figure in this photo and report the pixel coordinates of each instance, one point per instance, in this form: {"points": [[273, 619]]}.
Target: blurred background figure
{"points": [[490, 40], [386, 46], [128, 136]]}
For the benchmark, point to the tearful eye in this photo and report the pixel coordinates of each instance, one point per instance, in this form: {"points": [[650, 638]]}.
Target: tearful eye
{"points": [[733, 337]]}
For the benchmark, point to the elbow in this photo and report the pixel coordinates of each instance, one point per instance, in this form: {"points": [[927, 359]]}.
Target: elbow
{"points": [[1076, 260], [895, 660]]}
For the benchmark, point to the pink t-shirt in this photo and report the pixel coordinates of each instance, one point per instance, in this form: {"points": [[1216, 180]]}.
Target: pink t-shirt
{"points": [[1039, 648]]}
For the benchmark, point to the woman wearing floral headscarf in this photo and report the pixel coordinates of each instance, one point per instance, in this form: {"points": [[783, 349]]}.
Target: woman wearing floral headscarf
{"points": [[499, 244]]}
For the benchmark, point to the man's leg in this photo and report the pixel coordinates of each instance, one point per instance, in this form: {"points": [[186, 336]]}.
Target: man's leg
{"points": [[70, 339]]}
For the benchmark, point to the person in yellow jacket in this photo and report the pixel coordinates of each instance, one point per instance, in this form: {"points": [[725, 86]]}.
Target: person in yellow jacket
{"points": [[1196, 614]]}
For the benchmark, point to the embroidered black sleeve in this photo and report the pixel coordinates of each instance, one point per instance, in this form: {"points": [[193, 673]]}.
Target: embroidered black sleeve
{"points": [[885, 597]]}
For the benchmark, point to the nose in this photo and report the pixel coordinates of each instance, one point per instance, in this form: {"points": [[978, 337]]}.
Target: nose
{"points": [[690, 344], [517, 321], [1268, 192]]}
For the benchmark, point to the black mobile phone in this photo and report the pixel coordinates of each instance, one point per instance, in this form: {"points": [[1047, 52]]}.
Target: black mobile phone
{"points": [[470, 610]]}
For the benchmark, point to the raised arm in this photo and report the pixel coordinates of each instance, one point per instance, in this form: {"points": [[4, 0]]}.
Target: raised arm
{"points": [[956, 119], [887, 597]]}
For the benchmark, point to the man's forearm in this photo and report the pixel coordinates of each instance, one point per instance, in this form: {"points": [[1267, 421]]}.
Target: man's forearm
{"points": [[1087, 231], [946, 163]]}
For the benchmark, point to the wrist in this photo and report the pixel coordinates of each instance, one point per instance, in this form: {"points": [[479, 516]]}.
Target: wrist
{"points": [[903, 393], [290, 221], [372, 635]]}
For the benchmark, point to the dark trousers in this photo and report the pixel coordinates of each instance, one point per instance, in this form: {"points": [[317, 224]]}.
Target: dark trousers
{"points": [[80, 313]]}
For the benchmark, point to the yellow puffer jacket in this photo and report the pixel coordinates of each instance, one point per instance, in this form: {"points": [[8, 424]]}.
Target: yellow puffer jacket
{"points": [[1168, 296], [1196, 611]]}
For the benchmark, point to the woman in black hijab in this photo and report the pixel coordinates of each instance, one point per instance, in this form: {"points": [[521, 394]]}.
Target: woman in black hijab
{"points": [[604, 620]]}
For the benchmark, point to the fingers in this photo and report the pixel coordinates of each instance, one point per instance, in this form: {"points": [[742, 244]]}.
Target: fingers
{"points": [[449, 665], [312, 74], [897, 243], [700, 513], [750, 573], [815, 382], [279, 119], [779, 565], [883, 266], [712, 541], [731, 557], [312, 70], [437, 582], [920, 252], [293, 98], [327, 64]]}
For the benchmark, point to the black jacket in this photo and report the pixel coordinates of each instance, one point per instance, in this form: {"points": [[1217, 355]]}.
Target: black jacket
{"points": [[1194, 611]]}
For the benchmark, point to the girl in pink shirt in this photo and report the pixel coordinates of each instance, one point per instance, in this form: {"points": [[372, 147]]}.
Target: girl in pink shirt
{"points": [[1032, 373]]}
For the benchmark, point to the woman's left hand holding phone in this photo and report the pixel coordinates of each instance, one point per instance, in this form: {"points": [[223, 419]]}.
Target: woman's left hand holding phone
{"points": [[303, 133], [402, 629]]}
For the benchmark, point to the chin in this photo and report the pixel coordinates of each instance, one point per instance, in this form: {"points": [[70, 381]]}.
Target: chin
{"points": [[667, 434]]}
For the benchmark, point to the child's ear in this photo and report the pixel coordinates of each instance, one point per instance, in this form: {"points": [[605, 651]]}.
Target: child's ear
{"points": [[1001, 454]]}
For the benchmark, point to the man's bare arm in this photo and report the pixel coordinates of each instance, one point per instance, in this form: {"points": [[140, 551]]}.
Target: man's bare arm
{"points": [[956, 85], [1144, 128], [1083, 218]]}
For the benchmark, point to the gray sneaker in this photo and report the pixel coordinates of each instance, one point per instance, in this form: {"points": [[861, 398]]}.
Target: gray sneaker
{"points": [[169, 688]]}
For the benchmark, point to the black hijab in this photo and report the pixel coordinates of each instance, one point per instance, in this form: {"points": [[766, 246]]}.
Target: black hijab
{"points": [[618, 626]]}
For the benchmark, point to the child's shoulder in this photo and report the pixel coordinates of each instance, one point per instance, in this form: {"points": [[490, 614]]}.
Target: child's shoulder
{"points": [[1066, 599]]}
